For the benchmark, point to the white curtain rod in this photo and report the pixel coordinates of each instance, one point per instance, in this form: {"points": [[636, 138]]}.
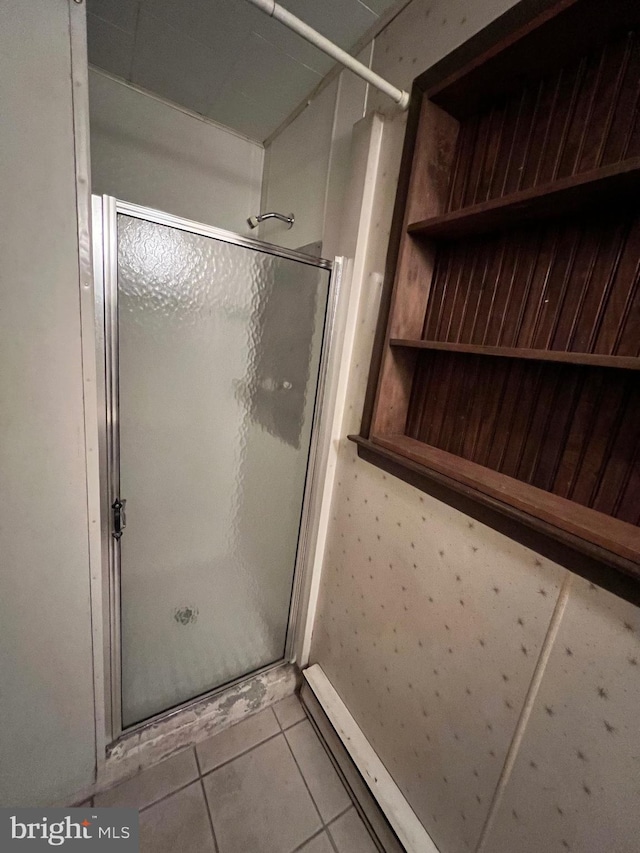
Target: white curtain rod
{"points": [[274, 10]]}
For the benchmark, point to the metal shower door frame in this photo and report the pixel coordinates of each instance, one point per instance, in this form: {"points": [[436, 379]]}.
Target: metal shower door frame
{"points": [[105, 210]]}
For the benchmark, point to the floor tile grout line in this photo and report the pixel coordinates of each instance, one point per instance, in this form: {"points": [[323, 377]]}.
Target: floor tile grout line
{"points": [[295, 725], [354, 803], [304, 781], [216, 846], [163, 798], [206, 773], [339, 815], [176, 790], [317, 834], [206, 801], [292, 725], [333, 820], [297, 722], [276, 716], [341, 783], [325, 824], [140, 772], [195, 752], [331, 840]]}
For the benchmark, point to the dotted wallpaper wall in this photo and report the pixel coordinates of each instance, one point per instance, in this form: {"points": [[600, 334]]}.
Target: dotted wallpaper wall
{"points": [[430, 628], [575, 785], [501, 692]]}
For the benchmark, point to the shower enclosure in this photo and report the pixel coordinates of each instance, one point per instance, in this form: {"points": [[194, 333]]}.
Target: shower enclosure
{"points": [[214, 346]]}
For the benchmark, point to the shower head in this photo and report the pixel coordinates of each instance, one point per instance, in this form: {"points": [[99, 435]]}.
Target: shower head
{"points": [[254, 221]]}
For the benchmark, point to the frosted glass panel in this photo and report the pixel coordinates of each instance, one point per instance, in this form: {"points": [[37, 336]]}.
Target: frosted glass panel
{"points": [[219, 348]]}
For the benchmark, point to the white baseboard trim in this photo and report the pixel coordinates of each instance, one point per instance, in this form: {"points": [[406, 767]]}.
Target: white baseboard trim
{"points": [[390, 799]]}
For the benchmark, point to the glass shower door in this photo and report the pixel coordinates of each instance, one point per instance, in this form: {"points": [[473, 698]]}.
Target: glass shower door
{"points": [[217, 351]]}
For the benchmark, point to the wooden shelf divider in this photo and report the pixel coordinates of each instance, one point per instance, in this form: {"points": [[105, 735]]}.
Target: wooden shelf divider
{"points": [[559, 356], [583, 522], [616, 184]]}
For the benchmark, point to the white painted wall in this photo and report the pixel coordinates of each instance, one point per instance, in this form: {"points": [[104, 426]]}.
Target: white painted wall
{"points": [[47, 747], [147, 151]]}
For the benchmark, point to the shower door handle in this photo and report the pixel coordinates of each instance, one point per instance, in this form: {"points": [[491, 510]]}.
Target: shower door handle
{"points": [[119, 517]]}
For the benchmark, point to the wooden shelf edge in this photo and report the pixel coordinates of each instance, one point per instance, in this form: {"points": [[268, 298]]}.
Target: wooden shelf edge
{"points": [[550, 200], [601, 538], [557, 356]]}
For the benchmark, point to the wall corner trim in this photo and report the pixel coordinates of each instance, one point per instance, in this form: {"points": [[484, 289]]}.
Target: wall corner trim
{"points": [[81, 138], [353, 247], [389, 797], [527, 708]]}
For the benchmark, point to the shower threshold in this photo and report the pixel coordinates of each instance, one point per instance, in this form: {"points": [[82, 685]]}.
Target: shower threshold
{"points": [[158, 738]]}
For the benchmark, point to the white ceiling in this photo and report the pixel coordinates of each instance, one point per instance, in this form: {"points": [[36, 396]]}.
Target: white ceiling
{"points": [[223, 58]]}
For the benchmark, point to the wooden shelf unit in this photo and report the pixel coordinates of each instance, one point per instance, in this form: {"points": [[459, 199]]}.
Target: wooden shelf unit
{"points": [[513, 334], [617, 184], [593, 359]]}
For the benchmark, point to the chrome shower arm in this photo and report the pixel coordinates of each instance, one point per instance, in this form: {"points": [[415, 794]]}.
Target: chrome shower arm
{"points": [[254, 221]]}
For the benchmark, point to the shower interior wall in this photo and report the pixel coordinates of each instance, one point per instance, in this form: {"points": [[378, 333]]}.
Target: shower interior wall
{"points": [[499, 690], [148, 151]]}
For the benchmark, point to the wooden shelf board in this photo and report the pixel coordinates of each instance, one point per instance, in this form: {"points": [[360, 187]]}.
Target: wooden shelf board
{"points": [[558, 356], [619, 183], [617, 538]]}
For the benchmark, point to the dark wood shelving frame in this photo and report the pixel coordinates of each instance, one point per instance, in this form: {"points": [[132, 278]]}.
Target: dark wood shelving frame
{"points": [[489, 226], [617, 183], [561, 357]]}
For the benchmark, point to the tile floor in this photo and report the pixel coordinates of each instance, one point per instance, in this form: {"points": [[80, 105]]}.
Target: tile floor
{"points": [[265, 785]]}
